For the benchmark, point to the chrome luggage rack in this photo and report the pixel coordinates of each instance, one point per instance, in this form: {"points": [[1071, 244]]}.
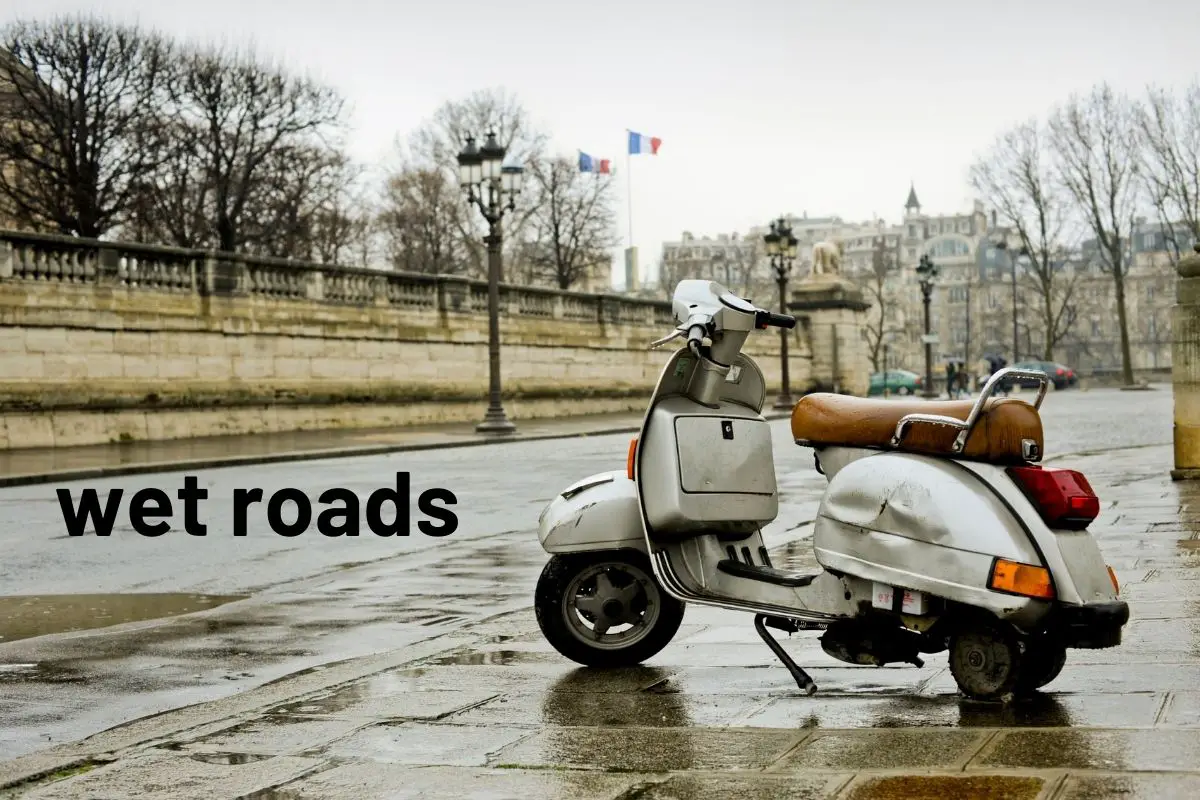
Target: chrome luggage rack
{"points": [[966, 426]]}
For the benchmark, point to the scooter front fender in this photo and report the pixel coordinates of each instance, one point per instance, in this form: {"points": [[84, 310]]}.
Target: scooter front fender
{"points": [[600, 512]]}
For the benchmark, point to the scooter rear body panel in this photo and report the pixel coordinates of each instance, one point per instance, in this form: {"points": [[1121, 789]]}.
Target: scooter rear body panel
{"points": [[921, 523]]}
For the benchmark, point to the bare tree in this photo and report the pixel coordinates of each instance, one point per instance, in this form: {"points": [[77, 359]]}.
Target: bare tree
{"points": [[173, 201], [85, 94], [884, 265], [295, 182], [437, 143], [1018, 179], [573, 225], [421, 221], [248, 111], [1095, 144], [1169, 135]]}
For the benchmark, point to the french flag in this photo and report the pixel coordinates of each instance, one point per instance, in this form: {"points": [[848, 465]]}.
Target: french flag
{"points": [[598, 165], [639, 143]]}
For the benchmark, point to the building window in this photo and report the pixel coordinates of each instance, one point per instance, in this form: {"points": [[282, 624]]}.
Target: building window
{"points": [[912, 231], [1095, 327], [912, 252], [1149, 292]]}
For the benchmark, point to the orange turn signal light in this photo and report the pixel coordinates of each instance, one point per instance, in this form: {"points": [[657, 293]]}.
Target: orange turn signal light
{"points": [[1116, 583], [629, 458], [1022, 579]]}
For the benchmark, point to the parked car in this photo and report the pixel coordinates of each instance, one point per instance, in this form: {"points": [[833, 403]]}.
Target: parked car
{"points": [[1061, 376], [898, 381]]}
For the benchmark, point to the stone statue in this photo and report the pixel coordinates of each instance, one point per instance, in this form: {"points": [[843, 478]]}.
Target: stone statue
{"points": [[826, 259]]}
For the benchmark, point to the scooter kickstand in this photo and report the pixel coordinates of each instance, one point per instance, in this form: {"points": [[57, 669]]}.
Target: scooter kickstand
{"points": [[802, 679]]}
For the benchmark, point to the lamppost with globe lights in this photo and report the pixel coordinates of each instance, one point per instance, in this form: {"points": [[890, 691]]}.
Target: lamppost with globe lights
{"points": [[781, 249], [927, 273], [492, 186]]}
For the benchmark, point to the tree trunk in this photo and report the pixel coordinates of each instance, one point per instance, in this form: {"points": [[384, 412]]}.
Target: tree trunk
{"points": [[225, 233], [1122, 319], [1048, 312]]}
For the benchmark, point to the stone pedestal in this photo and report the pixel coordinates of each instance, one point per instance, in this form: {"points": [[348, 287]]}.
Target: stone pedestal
{"points": [[833, 313], [1185, 368]]}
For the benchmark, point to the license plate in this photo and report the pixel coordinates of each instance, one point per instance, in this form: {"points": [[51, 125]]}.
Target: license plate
{"points": [[884, 596]]}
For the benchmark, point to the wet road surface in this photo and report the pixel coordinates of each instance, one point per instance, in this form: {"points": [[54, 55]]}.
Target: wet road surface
{"points": [[716, 673]]}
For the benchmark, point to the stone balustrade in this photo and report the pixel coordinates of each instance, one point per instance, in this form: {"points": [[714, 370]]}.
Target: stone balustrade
{"points": [[105, 341], [82, 262]]}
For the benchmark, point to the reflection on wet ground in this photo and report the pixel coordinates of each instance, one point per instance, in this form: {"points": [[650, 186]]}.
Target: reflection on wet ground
{"points": [[39, 615]]}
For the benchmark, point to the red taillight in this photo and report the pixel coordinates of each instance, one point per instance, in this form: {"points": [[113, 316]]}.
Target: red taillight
{"points": [[1063, 497], [1060, 372]]}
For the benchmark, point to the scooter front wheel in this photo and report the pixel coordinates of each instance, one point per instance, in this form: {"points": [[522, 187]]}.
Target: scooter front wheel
{"points": [[605, 609]]}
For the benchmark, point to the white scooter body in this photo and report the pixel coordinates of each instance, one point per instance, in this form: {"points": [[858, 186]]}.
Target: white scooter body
{"points": [[905, 539]]}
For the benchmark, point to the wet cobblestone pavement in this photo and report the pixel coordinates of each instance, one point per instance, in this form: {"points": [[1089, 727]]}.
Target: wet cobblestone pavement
{"points": [[491, 711]]}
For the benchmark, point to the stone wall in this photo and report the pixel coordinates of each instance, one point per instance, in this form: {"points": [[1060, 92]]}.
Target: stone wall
{"points": [[104, 341]]}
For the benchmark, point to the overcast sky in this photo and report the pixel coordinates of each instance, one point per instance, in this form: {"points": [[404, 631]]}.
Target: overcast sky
{"points": [[763, 106]]}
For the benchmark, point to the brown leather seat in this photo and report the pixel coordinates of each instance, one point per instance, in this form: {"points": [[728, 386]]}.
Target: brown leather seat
{"points": [[824, 419]]}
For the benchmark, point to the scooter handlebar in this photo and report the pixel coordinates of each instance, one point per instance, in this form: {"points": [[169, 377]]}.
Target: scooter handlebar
{"points": [[764, 319]]}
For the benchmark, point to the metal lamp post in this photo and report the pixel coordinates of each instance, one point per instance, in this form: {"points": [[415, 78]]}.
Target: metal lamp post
{"points": [[781, 249], [1002, 244], [492, 187], [927, 273]]}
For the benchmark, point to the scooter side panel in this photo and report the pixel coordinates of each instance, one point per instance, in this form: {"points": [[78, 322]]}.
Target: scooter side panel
{"points": [[957, 575], [921, 523], [598, 513], [923, 500]]}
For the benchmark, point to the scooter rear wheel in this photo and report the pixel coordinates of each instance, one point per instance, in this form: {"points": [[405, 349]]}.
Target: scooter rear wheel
{"points": [[1043, 661], [987, 661], [605, 609]]}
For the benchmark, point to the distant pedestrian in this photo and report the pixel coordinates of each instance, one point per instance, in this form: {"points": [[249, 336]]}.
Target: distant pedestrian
{"points": [[951, 380]]}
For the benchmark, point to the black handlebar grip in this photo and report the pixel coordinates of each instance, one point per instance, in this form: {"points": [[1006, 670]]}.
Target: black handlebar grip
{"points": [[766, 318]]}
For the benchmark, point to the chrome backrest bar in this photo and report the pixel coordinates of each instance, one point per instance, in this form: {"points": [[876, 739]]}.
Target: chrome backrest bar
{"points": [[966, 426]]}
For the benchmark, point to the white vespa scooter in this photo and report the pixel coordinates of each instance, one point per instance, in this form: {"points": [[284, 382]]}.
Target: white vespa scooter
{"points": [[937, 529]]}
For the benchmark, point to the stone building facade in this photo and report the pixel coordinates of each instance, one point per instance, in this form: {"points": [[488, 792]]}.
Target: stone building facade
{"points": [[971, 310]]}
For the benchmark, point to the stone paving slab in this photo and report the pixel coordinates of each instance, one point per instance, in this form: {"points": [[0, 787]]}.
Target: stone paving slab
{"points": [[496, 713]]}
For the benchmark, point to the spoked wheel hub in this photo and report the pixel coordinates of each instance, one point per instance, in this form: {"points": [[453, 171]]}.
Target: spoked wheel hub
{"points": [[611, 604]]}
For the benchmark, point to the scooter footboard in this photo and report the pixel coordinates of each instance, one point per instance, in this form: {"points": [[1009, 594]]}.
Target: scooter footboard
{"points": [[600, 512]]}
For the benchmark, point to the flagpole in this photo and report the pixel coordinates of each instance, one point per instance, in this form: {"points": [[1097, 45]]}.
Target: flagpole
{"points": [[629, 187]]}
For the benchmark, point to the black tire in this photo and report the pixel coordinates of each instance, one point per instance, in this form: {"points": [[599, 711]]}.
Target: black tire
{"points": [[1044, 660], [629, 594], [986, 660]]}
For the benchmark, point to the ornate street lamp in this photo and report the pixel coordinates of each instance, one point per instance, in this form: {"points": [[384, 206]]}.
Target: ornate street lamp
{"points": [[927, 273], [492, 186], [1002, 244], [781, 249]]}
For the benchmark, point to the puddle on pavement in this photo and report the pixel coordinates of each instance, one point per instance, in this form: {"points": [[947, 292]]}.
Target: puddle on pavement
{"points": [[26, 616], [229, 759], [502, 657], [935, 787], [44, 672]]}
